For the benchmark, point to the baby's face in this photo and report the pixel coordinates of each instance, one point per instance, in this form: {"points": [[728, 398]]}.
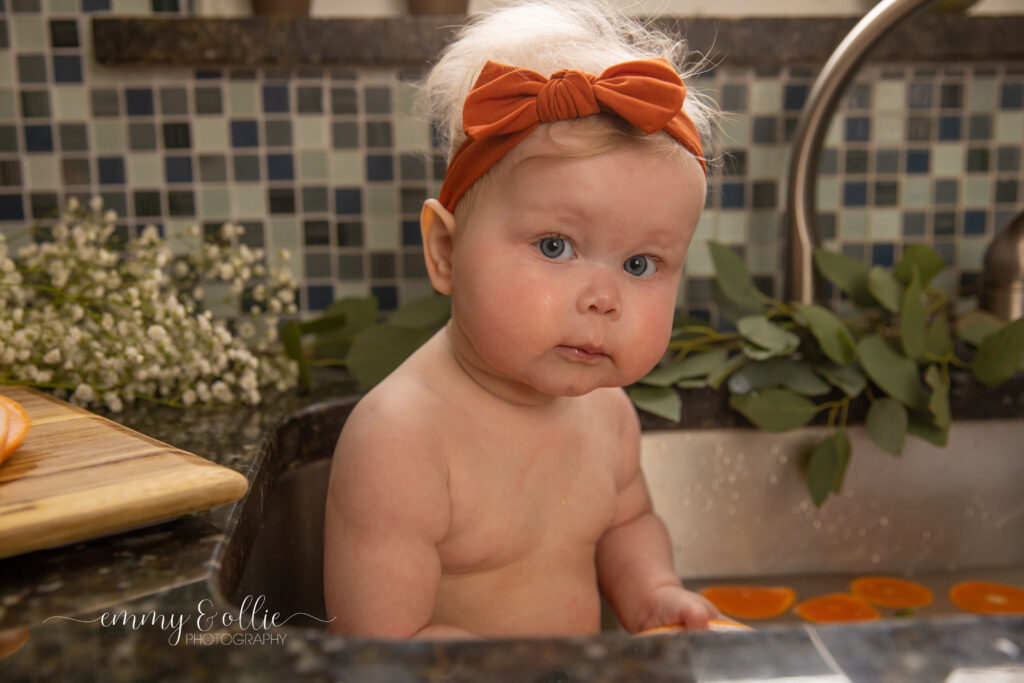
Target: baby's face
{"points": [[566, 269]]}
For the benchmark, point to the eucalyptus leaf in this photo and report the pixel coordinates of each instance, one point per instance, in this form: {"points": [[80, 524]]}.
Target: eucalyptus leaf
{"points": [[845, 273], [718, 376], [431, 311], [733, 278], [776, 410], [975, 327], [767, 335], [925, 260], [795, 375], [729, 309], [912, 319], [323, 323], [938, 404], [835, 340], [922, 426], [886, 424], [378, 350], [893, 372], [661, 401], [826, 466], [360, 313], [290, 334], [886, 289], [937, 340], [1000, 355], [693, 365], [847, 378]]}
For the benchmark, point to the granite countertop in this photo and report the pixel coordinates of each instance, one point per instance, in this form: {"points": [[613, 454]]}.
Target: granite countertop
{"points": [[129, 592]]}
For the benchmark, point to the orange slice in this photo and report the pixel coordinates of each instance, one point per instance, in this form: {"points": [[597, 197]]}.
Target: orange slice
{"points": [[888, 591], [750, 602], [5, 423], [17, 427], [987, 597], [713, 625], [837, 608]]}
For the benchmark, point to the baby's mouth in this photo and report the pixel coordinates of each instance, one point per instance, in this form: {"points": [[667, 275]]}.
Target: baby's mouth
{"points": [[587, 354]]}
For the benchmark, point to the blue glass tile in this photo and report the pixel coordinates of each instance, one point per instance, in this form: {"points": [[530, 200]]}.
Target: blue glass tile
{"points": [[280, 167], [733, 195], [139, 102], [319, 297], [918, 160], [858, 129], [110, 170], [411, 236], [38, 139], [379, 168], [1012, 96], [855, 194], [275, 99], [179, 169], [244, 134], [949, 128], [12, 208], [387, 297], [67, 68], [882, 254], [348, 200], [974, 222], [95, 5]]}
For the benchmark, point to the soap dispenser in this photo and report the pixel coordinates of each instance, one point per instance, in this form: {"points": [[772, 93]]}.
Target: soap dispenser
{"points": [[1002, 281]]}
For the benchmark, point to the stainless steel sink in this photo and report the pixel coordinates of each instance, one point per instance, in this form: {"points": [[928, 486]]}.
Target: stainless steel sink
{"points": [[734, 501]]}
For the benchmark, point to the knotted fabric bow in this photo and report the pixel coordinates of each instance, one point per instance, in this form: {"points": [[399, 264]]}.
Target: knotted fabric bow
{"points": [[507, 103]]}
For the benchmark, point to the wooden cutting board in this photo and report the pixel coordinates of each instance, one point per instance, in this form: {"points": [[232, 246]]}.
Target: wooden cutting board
{"points": [[78, 475]]}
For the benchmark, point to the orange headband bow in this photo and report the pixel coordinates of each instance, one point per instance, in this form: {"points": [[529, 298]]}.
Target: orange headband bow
{"points": [[507, 103]]}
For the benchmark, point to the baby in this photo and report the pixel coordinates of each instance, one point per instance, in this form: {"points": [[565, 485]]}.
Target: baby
{"points": [[490, 486]]}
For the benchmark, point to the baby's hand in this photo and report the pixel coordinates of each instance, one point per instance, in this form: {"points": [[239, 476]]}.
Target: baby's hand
{"points": [[676, 606]]}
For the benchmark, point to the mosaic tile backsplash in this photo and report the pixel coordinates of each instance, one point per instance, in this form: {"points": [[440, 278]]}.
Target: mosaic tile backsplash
{"points": [[330, 164]]}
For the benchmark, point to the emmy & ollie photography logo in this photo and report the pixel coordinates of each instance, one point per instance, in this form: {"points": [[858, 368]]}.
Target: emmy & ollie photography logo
{"points": [[250, 622]]}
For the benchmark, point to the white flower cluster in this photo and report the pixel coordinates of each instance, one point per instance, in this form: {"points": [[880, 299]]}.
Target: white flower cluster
{"points": [[102, 322]]}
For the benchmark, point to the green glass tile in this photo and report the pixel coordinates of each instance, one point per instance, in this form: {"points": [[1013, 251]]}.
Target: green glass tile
{"points": [[411, 135], [381, 232], [28, 32], [762, 259], [763, 227], [132, 7], [210, 134], [249, 201], [242, 99], [828, 194], [971, 253], [736, 130], [62, 6], [834, 135], [108, 137], [219, 299], [7, 111], [766, 97], [405, 99], [347, 167], [698, 261], [732, 227], [350, 289], [313, 165], [178, 239], [946, 280], [978, 191], [705, 227], [765, 161], [983, 95], [885, 225], [947, 159], [890, 95], [1009, 127], [41, 171], [889, 128], [381, 201], [214, 203], [917, 193], [71, 101], [853, 225], [6, 69], [144, 170], [310, 132]]}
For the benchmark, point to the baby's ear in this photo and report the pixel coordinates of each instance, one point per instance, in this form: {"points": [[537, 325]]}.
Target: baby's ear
{"points": [[437, 226]]}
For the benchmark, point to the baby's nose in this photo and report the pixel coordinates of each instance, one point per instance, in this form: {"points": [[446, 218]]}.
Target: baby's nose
{"points": [[600, 295]]}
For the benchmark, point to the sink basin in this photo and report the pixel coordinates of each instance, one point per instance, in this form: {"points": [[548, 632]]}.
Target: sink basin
{"points": [[734, 501]]}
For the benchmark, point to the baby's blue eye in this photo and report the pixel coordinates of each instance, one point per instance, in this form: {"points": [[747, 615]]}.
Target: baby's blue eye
{"points": [[639, 266], [555, 248]]}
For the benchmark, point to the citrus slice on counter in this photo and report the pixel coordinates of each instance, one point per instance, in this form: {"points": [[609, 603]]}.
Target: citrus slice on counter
{"points": [[17, 426], [889, 591], [750, 602], [713, 625], [987, 597], [835, 608]]}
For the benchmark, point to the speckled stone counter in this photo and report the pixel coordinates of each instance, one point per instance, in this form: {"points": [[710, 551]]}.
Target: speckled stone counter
{"points": [[141, 606]]}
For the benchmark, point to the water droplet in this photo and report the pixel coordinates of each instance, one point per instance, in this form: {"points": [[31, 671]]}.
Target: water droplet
{"points": [[732, 509], [726, 459], [862, 532], [783, 459], [734, 496], [731, 479], [876, 558], [774, 450], [740, 457], [925, 535], [773, 479], [816, 524], [884, 521]]}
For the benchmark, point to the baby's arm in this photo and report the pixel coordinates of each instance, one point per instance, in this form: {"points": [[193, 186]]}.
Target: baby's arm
{"points": [[634, 558], [387, 508]]}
